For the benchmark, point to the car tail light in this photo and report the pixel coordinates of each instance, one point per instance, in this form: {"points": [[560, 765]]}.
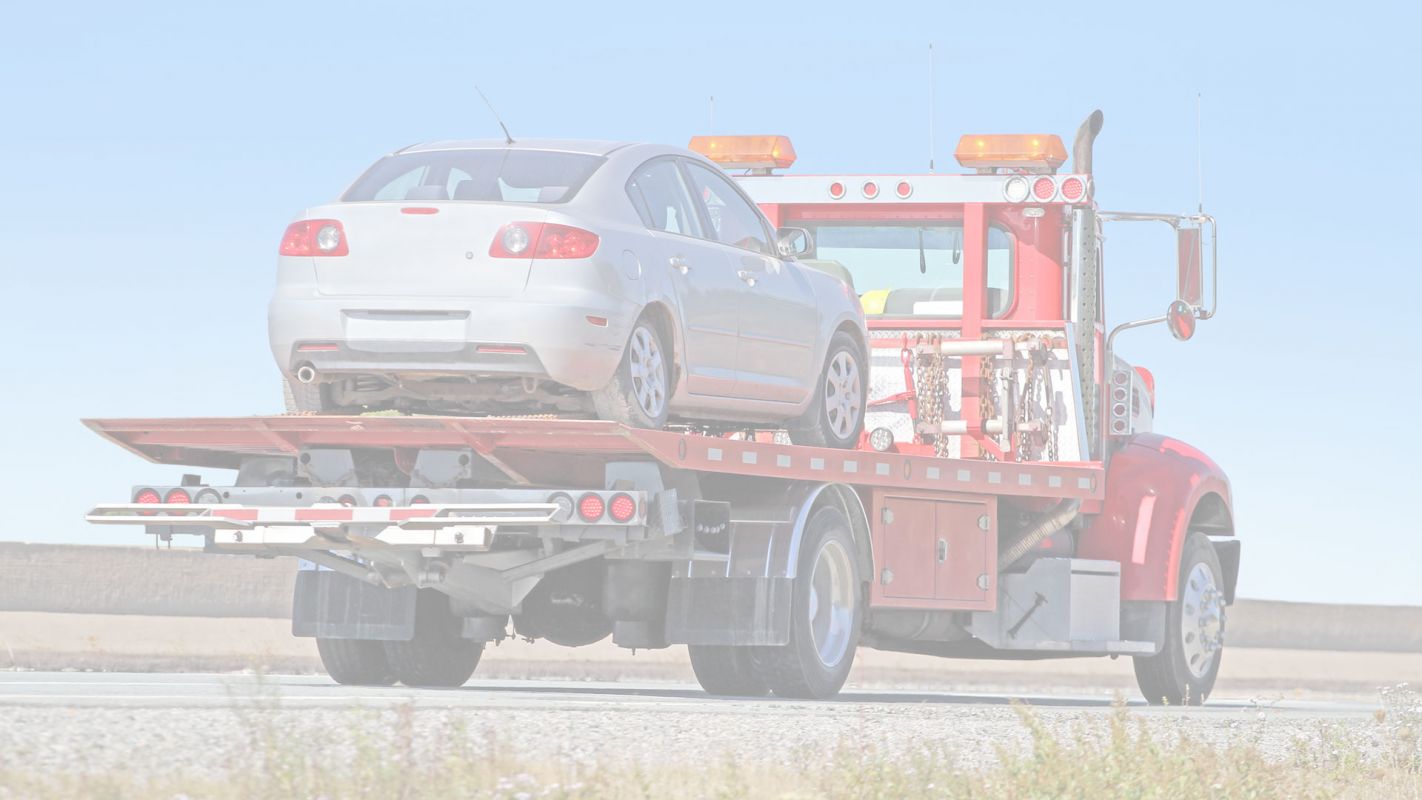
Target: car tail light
{"points": [[591, 507], [543, 240], [1044, 189], [622, 508], [1073, 189], [315, 237], [178, 496]]}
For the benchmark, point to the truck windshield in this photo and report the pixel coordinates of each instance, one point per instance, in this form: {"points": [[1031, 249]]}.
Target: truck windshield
{"points": [[489, 175], [912, 270]]}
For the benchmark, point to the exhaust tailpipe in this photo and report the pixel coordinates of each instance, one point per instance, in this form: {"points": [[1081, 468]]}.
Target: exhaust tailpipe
{"points": [[306, 373], [1085, 138]]}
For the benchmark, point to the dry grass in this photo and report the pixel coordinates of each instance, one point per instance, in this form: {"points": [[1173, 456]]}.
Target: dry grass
{"points": [[1117, 758]]}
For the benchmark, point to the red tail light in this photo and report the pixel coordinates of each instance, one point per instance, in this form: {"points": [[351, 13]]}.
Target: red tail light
{"points": [[178, 496], [622, 508], [315, 237], [1073, 189], [147, 497], [1044, 189], [591, 507], [542, 240]]}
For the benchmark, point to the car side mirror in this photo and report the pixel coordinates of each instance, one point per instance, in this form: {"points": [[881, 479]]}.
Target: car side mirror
{"points": [[1189, 277], [793, 242], [1180, 318]]}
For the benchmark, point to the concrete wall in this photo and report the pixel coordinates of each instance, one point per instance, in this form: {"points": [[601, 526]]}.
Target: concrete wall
{"points": [[187, 583]]}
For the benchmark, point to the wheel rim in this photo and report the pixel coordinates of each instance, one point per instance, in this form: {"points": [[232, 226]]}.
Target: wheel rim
{"points": [[843, 394], [649, 378], [1201, 620], [831, 603]]}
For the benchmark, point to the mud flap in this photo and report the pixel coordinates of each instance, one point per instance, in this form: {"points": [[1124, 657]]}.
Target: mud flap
{"points": [[729, 611], [335, 606]]}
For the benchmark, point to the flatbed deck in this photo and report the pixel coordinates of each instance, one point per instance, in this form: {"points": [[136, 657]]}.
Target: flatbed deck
{"points": [[543, 450]]}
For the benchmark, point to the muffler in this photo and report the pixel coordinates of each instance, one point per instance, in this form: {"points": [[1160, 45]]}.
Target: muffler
{"points": [[306, 373]]}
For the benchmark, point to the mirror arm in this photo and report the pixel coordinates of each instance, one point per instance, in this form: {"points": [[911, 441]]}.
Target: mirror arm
{"points": [[1125, 326]]}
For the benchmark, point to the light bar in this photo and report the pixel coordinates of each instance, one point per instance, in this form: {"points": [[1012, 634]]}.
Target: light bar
{"points": [[1035, 151], [746, 152]]}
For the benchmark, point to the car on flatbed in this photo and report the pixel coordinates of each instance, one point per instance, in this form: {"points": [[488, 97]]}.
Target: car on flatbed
{"points": [[631, 282]]}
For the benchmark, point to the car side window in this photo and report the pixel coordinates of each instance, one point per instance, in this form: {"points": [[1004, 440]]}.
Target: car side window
{"points": [[660, 196], [735, 221]]}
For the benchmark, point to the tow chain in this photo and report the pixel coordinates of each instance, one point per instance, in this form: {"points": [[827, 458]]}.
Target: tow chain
{"points": [[931, 385], [987, 398]]}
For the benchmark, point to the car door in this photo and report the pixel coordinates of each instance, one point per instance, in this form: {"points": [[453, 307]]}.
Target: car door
{"points": [[706, 288], [777, 358]]}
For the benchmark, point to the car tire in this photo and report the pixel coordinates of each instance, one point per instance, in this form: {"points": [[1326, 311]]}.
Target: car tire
{"points": [[725, 670], [438, 655], [825, 616], [302, 398], [1185, 669], [835, 417], [640, 390], [355, 662]]}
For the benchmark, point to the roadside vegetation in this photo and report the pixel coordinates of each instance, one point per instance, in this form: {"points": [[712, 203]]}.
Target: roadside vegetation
{"points": [[1122, 757]]}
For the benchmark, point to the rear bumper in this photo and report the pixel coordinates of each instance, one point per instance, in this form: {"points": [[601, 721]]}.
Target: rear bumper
{"points": [[542, 337]]}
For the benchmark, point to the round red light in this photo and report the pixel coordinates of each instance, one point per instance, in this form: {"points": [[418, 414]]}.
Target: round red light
{"points": [[347, 500], [419, 500], [903, 189], [1073, 189], [1044, 189], [591, 507], [836, 190], [383, 501], [622, 508], [178, 496], [147, 497], [871, 189]]}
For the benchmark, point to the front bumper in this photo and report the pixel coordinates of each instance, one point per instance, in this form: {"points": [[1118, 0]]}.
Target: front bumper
{"points": [[547, 337]]}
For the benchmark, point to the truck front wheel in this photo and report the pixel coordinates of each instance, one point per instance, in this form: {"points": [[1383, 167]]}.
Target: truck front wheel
{"points": [[355, 662], [825, 615], [438, 655], [726, 670], [1184, 671]]}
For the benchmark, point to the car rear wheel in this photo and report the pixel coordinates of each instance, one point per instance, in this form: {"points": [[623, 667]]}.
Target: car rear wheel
{"points": [[438, 655], [302, 398], [1184, 671], [726, 670], [640, 389], [355, 662], [826, 614], [835, 417]]}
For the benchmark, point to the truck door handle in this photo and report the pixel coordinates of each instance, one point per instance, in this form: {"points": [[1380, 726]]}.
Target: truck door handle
{"points": [[679, 264], [942, 550]]}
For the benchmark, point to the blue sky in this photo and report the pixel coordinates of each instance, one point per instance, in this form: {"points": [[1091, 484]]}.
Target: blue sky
{"points": [[152, 156]]}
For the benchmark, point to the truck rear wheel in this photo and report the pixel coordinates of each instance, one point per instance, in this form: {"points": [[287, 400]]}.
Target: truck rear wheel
{"points": [[438, 655], [825, 615], [1184, 671], [355, 662], [726, 670]]}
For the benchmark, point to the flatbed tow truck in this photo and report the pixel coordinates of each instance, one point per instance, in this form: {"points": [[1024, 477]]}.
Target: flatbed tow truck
{"points": [[1009, 499]]}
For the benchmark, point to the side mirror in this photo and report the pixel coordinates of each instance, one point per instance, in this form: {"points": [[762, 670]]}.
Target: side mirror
{"points": [[1189, 277], [793, 242], [1180, 318]]}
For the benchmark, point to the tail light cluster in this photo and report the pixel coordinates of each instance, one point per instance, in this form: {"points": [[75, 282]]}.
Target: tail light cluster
{"points": [[542, 240], [314, 237], [1046, 188], [592, 507]]}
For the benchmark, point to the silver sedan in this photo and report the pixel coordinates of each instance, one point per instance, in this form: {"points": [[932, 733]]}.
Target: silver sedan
{"points": [[633, 282]]}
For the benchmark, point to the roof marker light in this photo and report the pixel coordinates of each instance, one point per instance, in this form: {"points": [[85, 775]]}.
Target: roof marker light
{"points": [[870, 189], [1073, 189], [836, 190], [1044, 189], [904, 189]]}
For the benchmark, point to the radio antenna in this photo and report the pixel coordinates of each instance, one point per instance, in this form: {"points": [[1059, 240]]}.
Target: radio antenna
{"points": [[508, 137], [930, 108], [1199, 152], [713, 114]]}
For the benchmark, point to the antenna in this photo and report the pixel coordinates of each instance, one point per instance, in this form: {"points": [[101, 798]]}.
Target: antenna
{"points": [[930, 108], [713, 114], [508, 137], [1199, 152]]}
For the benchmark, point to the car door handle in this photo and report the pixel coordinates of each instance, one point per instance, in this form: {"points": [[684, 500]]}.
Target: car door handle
{"points": [[747, 275], [679, 264]]}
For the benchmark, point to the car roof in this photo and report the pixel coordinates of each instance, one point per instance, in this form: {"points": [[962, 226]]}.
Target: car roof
{"points": [[596, 147]]}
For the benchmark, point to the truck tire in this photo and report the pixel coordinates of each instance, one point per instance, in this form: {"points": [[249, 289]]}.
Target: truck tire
{"points": [[835, 417], [438, 655], [640, 390], [1184, 671], [825, 615], [355, 662], [726, 670]]}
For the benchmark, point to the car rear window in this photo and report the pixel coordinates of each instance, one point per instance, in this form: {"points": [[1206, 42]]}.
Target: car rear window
{"points": [[488, 175]]}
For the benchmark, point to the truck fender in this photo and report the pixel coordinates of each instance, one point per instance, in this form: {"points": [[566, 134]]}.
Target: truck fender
{"points": [[1158, 490]]}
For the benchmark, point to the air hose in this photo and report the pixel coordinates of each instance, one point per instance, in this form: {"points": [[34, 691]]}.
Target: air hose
{"points": [[1050, 523]]}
